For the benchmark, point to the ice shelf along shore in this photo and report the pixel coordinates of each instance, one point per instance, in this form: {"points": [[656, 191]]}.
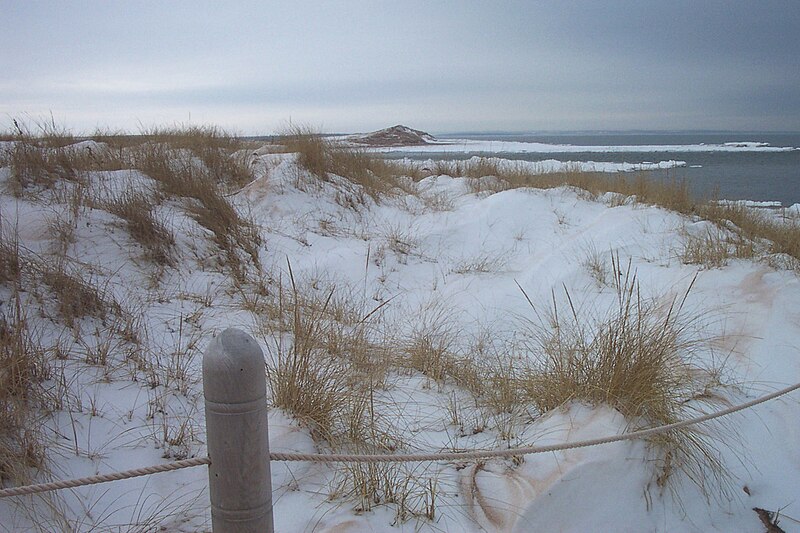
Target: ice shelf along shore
{"points": [[471, 146]]}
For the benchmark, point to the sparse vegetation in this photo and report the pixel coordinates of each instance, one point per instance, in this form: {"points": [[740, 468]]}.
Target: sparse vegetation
{"points": [[305, 381], [137, 210], [23, 367], [752, 229], [714, 247], [224, 156], [337, 363], [11, 262], [76, 296], [179, 175], [323, 158], [639, 360]]}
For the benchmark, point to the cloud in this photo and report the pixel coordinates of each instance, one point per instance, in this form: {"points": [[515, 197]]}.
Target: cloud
{"points": [[461, 65]]}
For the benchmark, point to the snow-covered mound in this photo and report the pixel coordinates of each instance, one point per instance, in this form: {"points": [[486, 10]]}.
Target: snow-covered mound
{"points": [[435, 261]]}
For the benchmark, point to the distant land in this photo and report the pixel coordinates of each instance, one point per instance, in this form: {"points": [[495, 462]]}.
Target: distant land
{"points": [[398, 135]]}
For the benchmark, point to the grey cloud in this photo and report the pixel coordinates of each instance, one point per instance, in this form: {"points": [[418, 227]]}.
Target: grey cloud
{"points": [[516, 65]]}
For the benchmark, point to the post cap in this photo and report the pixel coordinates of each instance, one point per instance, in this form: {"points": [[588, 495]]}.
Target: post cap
{"points": [[233, 368]]}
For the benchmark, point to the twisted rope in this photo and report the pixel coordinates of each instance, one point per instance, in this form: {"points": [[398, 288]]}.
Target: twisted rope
{"points": [[530, 450], [103, 478], [399, 458]]}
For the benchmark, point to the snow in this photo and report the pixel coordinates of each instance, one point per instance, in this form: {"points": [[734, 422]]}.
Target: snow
{"points": [[534, 239], [554, 165], [470, 146], [750, 203]]}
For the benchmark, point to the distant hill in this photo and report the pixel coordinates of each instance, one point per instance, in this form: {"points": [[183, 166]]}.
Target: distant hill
{"points": [[395, 136]]}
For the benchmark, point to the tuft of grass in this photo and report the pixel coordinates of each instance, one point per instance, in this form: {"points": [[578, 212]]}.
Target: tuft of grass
{"points": [[179, 175], [137, 210], [483, 263], [325, 158], [430, 347], [639, 360], [223, 155], [76, 296], [41, 158], [714, 247], [11, 261], [326, 373], [596, 265], [305, 381], [35, 166], [780, 236], [410, 490], [313, 150], [23, 366]]}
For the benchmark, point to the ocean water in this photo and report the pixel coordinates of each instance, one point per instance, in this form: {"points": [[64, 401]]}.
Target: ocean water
{"points": [[740, 175]]}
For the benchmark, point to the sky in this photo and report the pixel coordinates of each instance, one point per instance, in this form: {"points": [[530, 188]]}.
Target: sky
{"points": [[356, 66]]}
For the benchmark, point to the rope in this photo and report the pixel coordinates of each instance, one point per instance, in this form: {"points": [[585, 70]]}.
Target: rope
{"points": [[103, 478], [512, 452], [385, 458]]}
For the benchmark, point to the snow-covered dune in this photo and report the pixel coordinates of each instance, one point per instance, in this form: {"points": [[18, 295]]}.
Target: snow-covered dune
{"points": [[487, 264]]}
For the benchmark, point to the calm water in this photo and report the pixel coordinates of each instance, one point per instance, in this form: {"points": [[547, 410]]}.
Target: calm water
{"points": [[734, 175]]}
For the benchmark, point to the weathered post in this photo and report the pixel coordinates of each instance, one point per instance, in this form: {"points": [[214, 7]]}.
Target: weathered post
{"points": [[234, 385]]}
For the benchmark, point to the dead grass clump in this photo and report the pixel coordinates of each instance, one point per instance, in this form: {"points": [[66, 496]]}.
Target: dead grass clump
{"points": [[175, 172], [639, 360], [76, 296], [232, 232], [410, 490], [222, 154], [11, 261], [23, 367], [35, 166], [454, 168], [596, 265], [428, 353], [401, 240], [179, 175], [118, 140], [483, 263], [41, 158], [430, 347], [489, 184], [325, 371], [323, 157], [313, 150], [715, 247], [306, 381], [670, 194], [137, 210], [783, 237]]}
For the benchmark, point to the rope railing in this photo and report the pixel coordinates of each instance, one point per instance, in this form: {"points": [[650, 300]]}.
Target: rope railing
{"points": [[397, 458]]}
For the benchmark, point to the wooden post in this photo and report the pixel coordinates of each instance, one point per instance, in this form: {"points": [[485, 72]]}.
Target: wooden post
{"points": [[234, 385]]}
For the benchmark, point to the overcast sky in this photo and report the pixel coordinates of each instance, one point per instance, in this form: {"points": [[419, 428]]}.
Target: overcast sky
{"points": [[438, 66]]}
